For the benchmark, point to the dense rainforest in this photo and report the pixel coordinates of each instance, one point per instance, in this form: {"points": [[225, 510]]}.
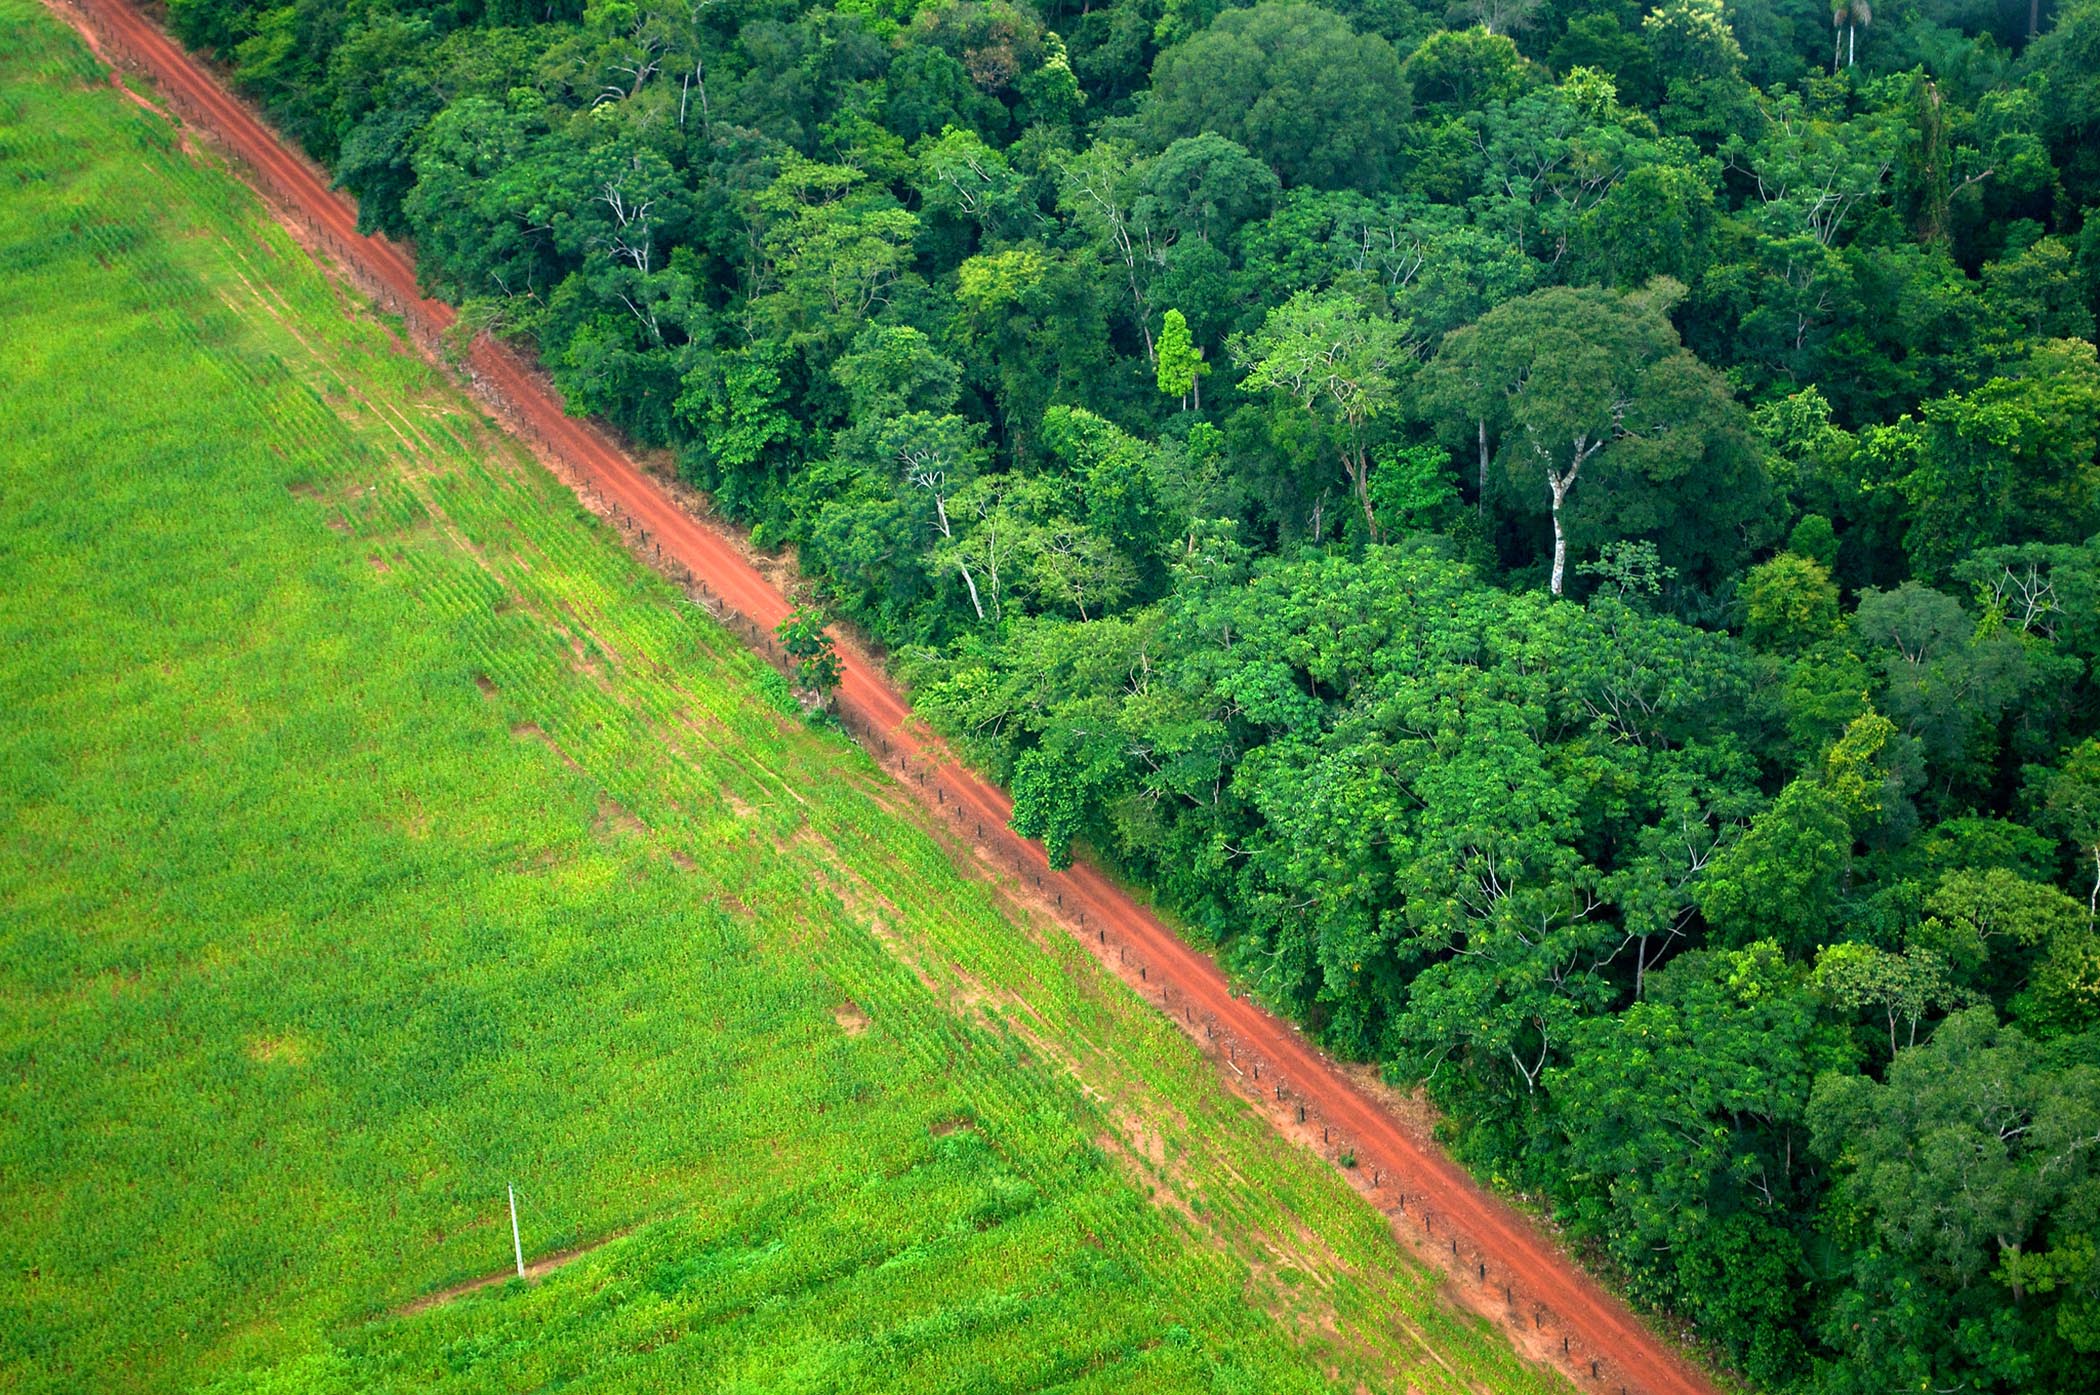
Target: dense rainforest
{"points": [[1563, 535]]}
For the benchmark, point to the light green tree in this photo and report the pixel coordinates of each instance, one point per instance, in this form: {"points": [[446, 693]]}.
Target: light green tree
{"points": [[1692, 39], [1789, 604], [1333, 359], [1904, 987], [1181, 367]]}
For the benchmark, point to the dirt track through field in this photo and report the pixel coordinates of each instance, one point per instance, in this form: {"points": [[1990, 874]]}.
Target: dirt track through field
{"points": [[1502, 1265]]}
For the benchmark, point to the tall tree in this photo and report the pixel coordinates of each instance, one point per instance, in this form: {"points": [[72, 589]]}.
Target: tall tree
{"points": [[1330, 357], [1181, 365], [1292, 82], [1846, 16], [2011, 462], [1575, 383]]}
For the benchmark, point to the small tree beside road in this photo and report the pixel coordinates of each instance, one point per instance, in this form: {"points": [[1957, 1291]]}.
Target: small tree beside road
{"points": [[808, 643]]}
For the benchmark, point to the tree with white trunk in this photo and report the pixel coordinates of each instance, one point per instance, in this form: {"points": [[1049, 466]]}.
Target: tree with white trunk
{"points": [[1590, 390]]}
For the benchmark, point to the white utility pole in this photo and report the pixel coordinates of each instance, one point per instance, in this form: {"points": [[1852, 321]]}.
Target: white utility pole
{"points": [[516, 1247]]}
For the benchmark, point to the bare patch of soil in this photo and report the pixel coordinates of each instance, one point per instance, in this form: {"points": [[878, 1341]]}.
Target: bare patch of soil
{"points": [[613, 817], [533, 731], [539, 1268], [284, 1049]]}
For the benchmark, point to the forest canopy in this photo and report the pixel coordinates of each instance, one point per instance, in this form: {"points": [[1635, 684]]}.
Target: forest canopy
{"points": [[1563, 537]]}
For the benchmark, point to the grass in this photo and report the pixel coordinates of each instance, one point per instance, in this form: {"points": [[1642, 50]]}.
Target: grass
{"points": [[375, 833]]}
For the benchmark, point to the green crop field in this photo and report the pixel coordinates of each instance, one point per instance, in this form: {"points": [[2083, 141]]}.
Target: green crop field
{"points": [[375, 833]]}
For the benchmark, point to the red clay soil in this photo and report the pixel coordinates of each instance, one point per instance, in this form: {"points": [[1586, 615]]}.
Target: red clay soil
{"points": [[1504, 1266]]}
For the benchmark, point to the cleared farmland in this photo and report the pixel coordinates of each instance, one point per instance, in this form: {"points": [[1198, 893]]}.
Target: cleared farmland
{"points": [[374, 834]]}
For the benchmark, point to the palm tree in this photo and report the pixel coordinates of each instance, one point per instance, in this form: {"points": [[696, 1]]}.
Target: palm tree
{"points": [[1847, 16]]}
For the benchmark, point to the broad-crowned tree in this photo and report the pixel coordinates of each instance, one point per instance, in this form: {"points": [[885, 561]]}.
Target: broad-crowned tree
{"points": [[1292, 82], [833, 247], [1033, 327], [1782, 879], [2065, 64], [1991, 926], [1434, 266], [1789, 604], [1978, 1148], [1459, 71], [1944, 679], [1329, 357], [2066, 802], [2011, 462], [1203, 187], [1683, 1122], [1573, 385], [962, 177]]}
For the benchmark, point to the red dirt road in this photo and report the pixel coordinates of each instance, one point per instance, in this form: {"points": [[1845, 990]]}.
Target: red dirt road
{"points": [[1507, 1269]]}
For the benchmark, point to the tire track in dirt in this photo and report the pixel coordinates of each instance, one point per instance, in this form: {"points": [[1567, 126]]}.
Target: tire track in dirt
{"points": [[1504, 1267]]}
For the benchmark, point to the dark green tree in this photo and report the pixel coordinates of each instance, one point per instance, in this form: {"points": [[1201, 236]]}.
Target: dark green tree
{"points": [[1294, 84], [1570, 385]]}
